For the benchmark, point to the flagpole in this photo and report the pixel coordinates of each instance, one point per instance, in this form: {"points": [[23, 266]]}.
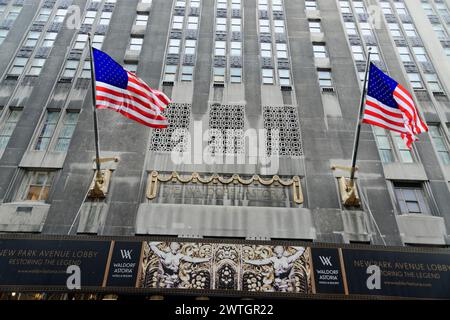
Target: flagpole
{"points": [[358, 127], [94, 109]]}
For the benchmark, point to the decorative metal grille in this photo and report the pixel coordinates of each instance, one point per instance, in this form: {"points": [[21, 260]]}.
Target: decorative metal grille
{"points": [[179, 117], [285, 120], [226, 129]]}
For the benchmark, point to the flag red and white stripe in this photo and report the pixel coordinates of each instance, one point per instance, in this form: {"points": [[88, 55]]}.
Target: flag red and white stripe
{"points": [[389, 105], [138, 101]]}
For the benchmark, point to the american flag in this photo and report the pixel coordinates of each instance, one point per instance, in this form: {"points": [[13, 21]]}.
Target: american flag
{"points": [[389, 105], [122, 91]]}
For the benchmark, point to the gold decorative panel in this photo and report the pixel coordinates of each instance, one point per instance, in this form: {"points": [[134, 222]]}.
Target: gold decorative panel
{"points": [[241, 190], [218, 266]]}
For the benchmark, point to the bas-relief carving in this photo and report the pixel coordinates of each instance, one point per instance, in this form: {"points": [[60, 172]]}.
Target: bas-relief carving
{"points": [[219, 266]]}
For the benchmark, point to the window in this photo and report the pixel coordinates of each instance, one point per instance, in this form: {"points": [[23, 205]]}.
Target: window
{"points": [[440, 143], [314, 27], [86, 72], [141, 19], [285, 77], [411, 198], [279, 26], [276, 5], [47, 130], [395, 30], [187, 73], [236, 48], [36, 67], [136, 44], [44, 15], [60, 16], [442, 9], [320, 51], [195, 3], [427, 8], [400, 8], [390, 143], [415, 81], [386, 7], [32, 38], [358, 53], [220, 48], [383, 144], [36, 186], [410, 30], [7, 128], [66, 132], [440, 31], [235, 75], [267, 75], [236, 24], [405, 55], [97, 41], [325, 78], [174, 46], [13, 13], [222, 4], [90, 17], [282, 51], [433, 82], [405, 154], [264, 26], [351, 28], [262, 5], [131, 66], [219, 75], [420, 54], [105, 18], [170, 73], [345, 7], [49, 39], [375, 56], [189, 47], [235, 4], [177, 22], [180, 3], [266, 50], [192, 23], [70, 68], [18, 66], [310, 5], [359, 7], [80, 42], [366, 29]]}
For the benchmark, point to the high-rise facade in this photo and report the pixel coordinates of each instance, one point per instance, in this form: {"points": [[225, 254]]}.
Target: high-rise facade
{"points": [[281, 76]]}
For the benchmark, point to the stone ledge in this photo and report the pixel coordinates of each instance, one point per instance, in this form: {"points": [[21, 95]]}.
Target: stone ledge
{"points": [[23, 216], [225, 221], [422, 229]]}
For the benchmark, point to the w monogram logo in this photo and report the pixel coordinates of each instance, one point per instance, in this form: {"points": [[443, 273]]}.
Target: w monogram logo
{"points": [[326, 261], [126, 254]]}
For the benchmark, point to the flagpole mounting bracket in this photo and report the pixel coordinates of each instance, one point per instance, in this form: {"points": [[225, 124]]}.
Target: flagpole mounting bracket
{"points": [[349, 192], [100, 184]]}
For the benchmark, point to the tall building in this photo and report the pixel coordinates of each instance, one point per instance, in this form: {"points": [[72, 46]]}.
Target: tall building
{"points": [[265, 104]]}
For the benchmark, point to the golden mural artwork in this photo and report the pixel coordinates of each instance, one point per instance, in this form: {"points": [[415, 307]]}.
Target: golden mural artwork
{"points": [[217, 266]]}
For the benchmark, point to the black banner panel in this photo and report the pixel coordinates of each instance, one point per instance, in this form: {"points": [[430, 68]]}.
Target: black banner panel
{"points": [[126, 265], [45, 262], [327, 271], [400, 274]]}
